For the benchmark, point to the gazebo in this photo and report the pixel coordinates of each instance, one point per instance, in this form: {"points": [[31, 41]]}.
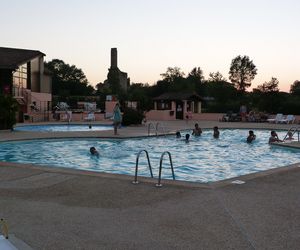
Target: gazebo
{"points": [[173, 106]]}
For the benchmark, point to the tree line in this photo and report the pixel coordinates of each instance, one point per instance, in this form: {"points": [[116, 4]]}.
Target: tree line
{"points": [[218, 93]]}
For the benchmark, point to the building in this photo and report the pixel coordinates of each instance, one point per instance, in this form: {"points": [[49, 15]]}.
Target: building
{"points": [[175, 106], [116, 79], [22, 75]]}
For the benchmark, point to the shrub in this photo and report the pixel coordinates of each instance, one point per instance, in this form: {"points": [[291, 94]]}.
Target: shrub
{"points": [[8, 109], [132, 116]]}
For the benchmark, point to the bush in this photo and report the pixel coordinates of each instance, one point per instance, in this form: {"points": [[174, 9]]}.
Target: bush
{"points": [[132, 116], [8, 109]]}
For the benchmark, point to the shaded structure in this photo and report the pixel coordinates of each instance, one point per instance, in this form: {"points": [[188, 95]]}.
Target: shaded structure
{"points": [[22, 75], [172, 106]]}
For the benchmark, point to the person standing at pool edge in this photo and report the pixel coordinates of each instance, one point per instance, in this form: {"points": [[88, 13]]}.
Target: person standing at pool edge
{"points": [[117, 118]]}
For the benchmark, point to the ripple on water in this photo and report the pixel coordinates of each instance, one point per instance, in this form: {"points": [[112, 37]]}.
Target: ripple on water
{"points": [[203, 159]]}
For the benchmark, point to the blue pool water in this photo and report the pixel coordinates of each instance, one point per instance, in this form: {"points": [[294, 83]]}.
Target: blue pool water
{"points": [[203, 159], [63, 127]]}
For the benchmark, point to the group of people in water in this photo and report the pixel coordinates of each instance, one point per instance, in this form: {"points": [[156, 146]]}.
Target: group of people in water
{"points": [[197, 131]]}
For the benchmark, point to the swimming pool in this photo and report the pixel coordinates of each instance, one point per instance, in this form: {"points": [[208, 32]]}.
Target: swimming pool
{"points": [[204, 159], [63, 127]]}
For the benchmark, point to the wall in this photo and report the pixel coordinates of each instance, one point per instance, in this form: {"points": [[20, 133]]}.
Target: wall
{"points": [[160, 115], [46, 86], [207, 116], [41, 100], [35, 75], [123, 80]]}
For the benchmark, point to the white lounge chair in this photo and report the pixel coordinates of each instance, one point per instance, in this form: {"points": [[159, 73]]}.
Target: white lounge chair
{"points": [[90, 117], [67, 116], [277, 119], [288, 119]]}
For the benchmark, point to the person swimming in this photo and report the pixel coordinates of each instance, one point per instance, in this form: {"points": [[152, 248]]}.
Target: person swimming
{"points": [[216, 133], [187, 137], [94, 151], [274, 137], [251, 137], [197, 131], [178, 135]]}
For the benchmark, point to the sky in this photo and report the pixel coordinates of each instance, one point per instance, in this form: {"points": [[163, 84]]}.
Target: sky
{"points": [[153, 35]]}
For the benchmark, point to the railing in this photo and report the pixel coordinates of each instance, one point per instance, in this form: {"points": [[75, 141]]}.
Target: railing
{"points": [[20, 92], [137, 164], [35, 113], [292, 130], [4, 228], [160, 168], [149, 127], [156, 128], [161, 125]]}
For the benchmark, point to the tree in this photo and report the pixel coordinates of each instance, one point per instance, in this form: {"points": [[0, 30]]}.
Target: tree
{"points": [[267, 96], [242, 72], [196, 75], [295, 88], [224, 96], [172, 74], [216, 77], [269, 87], [68, 79]]}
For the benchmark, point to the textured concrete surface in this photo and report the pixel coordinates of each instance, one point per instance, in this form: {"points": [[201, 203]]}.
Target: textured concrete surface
{"points": [[92, 212], [69, 209]]}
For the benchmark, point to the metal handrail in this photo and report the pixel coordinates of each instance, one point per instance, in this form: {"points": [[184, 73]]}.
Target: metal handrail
{"points": [[137, 164], [293, 130], [160, 168], [163, 129], [4, 228], [149, 125]]}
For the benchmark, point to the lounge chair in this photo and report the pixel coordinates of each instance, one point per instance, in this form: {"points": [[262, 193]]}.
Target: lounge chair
{"points": [[90, 117], [288, 119], [277, 119], [67, 116]]}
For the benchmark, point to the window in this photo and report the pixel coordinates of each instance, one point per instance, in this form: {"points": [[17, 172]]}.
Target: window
{"points": [[20, 77], [164, 105]]}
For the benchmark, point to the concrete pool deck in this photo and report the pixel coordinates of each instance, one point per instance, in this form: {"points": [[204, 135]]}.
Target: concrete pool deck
{"points": [[69, 209]]}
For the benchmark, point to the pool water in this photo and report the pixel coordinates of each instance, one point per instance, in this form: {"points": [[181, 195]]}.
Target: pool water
{"points": [[63, 127], [203, 159]]}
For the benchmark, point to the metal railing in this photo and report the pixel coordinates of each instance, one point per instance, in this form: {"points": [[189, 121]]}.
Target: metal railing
{"points": [[292, 130], [156, 128], [149, 127], [161, 125], [137, 165], [4, 228], [160, 168]]}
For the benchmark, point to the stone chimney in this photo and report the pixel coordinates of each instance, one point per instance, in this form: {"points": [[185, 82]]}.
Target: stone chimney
{"points": [[113, 58]]}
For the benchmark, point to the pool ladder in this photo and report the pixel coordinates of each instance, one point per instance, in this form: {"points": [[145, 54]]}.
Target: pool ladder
{"points": [[137, 165], [135, 181], [156, 128], [293, 130]]}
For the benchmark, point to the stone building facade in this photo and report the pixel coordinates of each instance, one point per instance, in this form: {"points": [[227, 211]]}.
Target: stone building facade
{"points": [[116, 79]]}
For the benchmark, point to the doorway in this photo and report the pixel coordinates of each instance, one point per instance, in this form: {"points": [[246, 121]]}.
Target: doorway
{"points": [[179, 110]]}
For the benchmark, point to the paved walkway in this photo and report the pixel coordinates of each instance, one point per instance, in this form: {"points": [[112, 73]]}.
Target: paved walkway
{"points": [[69, 209]]}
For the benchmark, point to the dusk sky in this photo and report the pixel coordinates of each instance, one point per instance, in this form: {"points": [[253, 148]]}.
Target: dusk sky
{"points": [[153, 35]]}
